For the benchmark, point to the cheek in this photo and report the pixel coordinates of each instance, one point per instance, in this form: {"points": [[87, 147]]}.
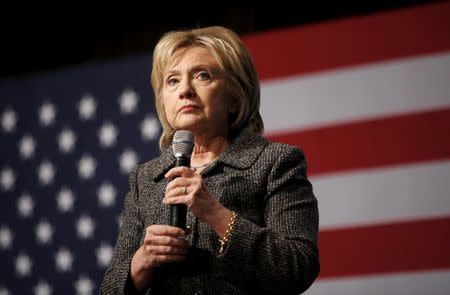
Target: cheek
{"points": [[170, 114], [168, 104]]}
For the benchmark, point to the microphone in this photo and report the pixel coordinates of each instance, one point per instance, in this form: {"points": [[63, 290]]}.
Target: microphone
{"points": [[182, 146]]}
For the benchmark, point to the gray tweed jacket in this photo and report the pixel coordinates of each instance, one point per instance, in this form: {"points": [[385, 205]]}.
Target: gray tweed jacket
{"points": [[273, 246]]}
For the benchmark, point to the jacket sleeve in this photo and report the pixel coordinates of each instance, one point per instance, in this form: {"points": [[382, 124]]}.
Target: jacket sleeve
{"points": [[117, 277], [283, 255]]}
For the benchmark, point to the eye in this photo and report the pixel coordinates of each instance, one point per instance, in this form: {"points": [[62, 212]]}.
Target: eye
{"points": [[203, 75], [172, 81]]}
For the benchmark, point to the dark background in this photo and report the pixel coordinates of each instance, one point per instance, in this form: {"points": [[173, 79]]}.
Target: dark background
{"points": [[50, 40]]}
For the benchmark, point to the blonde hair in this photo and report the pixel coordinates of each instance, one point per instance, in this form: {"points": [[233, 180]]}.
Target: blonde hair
{"points": [[235, 62]]}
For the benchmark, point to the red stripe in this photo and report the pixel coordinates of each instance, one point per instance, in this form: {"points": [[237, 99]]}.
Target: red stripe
{"points": [[409, 246], [377, 37], [373, 143]]}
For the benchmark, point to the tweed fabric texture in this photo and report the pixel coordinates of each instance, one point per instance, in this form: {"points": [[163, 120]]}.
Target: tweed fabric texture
{"points": [[273, 247]]}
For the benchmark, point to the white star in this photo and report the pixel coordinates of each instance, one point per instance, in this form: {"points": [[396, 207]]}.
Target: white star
{"points": [[4, 291], [86, 167], [104, 254], [106, 194], [66, 140], [65, 199], [149, 128], [128, 160], [46, 173], [86, 107], [9, 120], [42, 288], [6, 237], [85, 227], [47, 114], [7, 179], [128, 101], [23, 265], [25, 205], [44, 232], [27, 145], [107, 135], [63, 260], [84, 286]]}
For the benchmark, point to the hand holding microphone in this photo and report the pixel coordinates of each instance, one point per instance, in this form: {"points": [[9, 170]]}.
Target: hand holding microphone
{"points": [[187, 188], [182, 146]]}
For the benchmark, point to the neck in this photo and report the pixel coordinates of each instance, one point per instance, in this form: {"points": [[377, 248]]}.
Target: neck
{"points": [[207, 150]]}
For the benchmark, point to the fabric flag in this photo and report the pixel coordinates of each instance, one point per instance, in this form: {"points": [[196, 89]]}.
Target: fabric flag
{"points": [[366, 98], [68, 142]]}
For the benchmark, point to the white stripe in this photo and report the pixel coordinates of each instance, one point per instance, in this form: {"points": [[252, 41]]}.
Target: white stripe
{"points": [[383, 195], [436, 283], [356, 93]]}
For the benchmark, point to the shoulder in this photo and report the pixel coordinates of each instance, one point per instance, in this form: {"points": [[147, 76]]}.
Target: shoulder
{"points": [[281, 158], [275, 146], [250, 148], [285, 163], [277, 151]]}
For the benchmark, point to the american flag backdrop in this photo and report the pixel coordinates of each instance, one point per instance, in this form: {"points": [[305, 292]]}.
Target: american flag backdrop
{"points": [[68, 141], [366, 98]]}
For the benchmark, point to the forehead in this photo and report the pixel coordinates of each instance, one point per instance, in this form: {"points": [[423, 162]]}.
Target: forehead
{"points": [[192, 56]]}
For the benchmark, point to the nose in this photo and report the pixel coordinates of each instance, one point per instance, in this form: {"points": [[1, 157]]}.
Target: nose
{"points": [[186, 90]]}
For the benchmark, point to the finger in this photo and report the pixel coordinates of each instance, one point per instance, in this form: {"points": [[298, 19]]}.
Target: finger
{"points": [[175, 192], [164, 230], [178, 195], [179, 171], [165, 241], [177, 183], [166, 250], [193, 183], [183, 199], [160, 259]]}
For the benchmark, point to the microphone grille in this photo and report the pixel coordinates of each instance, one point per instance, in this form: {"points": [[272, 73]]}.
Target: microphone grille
{"points": [[183, 143]]}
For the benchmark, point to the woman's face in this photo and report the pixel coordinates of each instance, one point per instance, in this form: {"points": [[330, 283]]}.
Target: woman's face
{"points": [[194, 93]]}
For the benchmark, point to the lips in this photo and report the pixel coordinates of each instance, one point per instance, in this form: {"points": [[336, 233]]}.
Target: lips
{"points": [[187, 108]]}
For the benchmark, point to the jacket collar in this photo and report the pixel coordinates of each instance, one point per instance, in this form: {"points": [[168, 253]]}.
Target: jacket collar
{"points": [[243, 151], [162, 164]]}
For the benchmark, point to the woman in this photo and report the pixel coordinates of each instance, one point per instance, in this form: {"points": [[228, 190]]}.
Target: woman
{"points": [[253, 218]]}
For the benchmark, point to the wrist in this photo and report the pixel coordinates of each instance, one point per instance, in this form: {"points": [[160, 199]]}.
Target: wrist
{"points": [[224, 240], [218, 219], [216, 215], [140, 270]]}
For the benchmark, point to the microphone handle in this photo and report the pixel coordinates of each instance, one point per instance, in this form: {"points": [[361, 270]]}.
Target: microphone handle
{"points": [[178, 212]]}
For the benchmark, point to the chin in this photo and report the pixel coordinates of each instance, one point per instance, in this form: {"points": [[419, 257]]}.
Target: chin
{"points": [[187, 124]]}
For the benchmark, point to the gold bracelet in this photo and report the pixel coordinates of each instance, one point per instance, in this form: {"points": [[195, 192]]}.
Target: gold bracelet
{"points": [[225, 239]]}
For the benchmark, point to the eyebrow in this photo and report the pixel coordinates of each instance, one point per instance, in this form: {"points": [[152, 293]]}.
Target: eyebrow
{"points": [[194, 68]]}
